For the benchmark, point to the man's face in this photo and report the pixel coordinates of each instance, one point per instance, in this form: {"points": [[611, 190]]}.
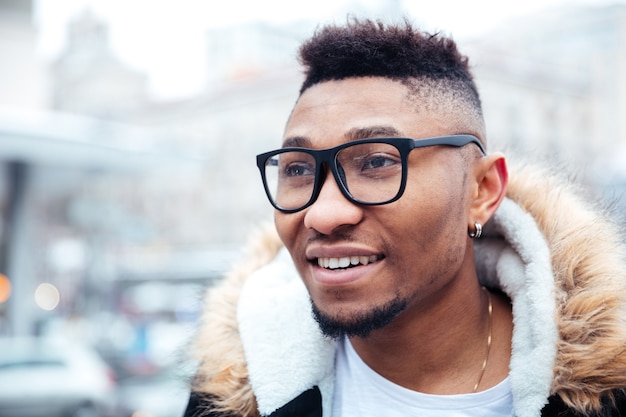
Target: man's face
{"points": [[408, 251]]}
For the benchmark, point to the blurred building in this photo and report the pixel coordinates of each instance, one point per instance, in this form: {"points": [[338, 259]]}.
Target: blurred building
{"points": [[554, 84], [554, 88], [73, 175], [23, 77], [88, 79], [252, 82]]}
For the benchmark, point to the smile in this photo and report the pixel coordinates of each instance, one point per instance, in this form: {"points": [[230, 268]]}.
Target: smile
{"points": [[346, 262]]}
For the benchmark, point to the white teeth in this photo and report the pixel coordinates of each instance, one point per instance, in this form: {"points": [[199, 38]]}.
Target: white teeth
{"points": [[344, 262], [335, 263]]}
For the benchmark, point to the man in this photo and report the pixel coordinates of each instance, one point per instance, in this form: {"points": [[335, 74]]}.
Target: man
{"points": [[415, 279]]}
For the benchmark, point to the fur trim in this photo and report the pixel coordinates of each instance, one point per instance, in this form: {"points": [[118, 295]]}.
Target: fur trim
{"points": [[589, 263], [222, 374], [285, 349], [514, 257]]}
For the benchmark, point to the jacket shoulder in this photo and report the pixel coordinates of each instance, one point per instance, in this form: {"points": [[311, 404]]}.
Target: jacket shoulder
{"points": [[613, 405], [588, 259]]}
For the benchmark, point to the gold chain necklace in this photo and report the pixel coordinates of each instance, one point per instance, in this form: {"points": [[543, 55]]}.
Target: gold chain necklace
{"points": [[482, 371]]}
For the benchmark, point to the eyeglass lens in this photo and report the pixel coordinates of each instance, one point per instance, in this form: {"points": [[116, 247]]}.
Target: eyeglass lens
{"points": [[370, 172]]}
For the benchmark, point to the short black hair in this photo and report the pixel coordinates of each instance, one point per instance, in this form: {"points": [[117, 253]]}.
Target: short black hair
{"points": [[429, 64]]}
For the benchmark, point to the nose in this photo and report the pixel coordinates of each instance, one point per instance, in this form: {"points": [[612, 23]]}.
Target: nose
{"points": [[332, 209]]}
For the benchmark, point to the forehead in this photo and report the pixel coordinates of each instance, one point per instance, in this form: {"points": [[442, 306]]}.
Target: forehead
{"points": [[333, 112]]}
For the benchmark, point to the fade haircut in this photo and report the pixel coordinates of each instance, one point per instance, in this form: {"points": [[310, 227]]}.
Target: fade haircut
{"points": [[437, 75]]}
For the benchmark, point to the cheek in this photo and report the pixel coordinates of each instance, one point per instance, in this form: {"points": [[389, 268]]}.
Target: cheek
{"points": [[435, 216], [287, 227]]}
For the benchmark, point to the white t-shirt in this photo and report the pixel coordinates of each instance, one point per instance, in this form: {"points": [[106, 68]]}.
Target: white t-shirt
{"points": [[361, 392]]}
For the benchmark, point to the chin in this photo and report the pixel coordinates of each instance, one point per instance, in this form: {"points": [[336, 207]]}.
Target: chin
{"points": [[360, 324]]}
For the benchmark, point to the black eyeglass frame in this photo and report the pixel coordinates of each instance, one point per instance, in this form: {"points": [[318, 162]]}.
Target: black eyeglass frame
{"points": [[328, 157]]}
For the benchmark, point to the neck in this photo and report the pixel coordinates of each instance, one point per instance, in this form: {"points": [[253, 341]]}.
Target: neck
{"points": [[440, 348]]}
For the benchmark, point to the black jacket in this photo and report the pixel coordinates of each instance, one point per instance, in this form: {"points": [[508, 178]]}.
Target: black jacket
{"points": [[309, 404]]}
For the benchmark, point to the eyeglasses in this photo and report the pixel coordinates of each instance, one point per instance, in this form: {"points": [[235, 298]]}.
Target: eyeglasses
{"points": [[369, 172]]}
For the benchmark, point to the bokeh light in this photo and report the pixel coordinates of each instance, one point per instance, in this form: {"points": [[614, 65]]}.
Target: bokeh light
{"points": [[5, 288], [47, 296]]}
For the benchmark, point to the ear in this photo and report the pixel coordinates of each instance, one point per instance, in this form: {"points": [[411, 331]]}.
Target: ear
{"points": [[492, 177]]}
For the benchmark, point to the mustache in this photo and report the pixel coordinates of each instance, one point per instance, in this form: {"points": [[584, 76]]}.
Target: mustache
{"points": [[344, 236], [341, 236]]}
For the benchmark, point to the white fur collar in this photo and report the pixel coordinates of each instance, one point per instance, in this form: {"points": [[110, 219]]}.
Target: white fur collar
{"points": [[285, 350], [520, 265], [287, 354]]}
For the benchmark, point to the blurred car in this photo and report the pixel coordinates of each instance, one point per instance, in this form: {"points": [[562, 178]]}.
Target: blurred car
{"points": [[53, 378], [162, 394]]}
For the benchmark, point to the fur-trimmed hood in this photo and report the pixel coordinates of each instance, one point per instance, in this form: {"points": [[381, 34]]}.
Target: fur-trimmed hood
{"points": [[554, 254]]}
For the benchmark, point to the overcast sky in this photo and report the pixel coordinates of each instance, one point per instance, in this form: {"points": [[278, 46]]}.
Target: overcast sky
{"points": [[166, 24]]}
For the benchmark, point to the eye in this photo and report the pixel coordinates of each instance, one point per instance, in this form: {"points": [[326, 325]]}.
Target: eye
{"points": [[378, 161], [295, 169]]}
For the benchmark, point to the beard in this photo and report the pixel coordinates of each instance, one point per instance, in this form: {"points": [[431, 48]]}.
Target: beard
{"points": [[362, 323]]}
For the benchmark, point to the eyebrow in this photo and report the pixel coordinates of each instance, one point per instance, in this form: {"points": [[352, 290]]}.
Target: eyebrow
{"points": [[372, 132], [353, 134], [297, 142]]}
